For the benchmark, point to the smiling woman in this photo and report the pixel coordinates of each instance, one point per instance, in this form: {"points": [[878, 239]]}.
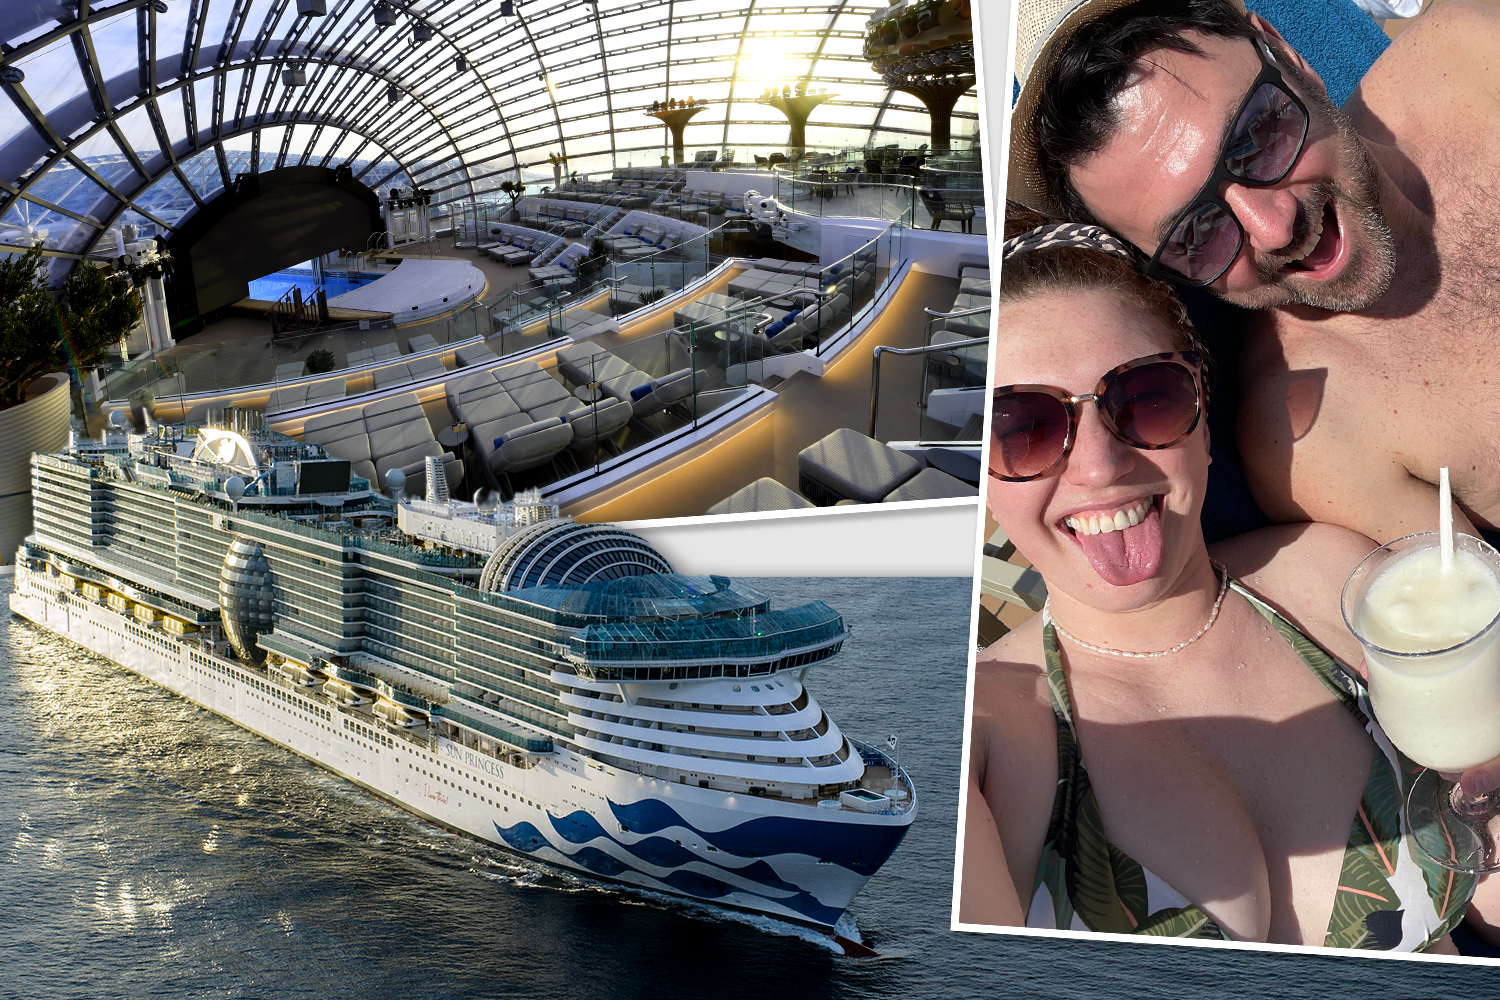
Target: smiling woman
{"points": [[1174, 746]]}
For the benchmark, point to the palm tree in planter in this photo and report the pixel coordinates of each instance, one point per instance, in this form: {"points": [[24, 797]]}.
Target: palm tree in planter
{"points": [[41, 333], [42, 336], [591, 267]]}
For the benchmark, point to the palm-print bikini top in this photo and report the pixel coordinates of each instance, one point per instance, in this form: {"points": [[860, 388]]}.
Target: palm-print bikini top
{"points": [[1391, 896]]}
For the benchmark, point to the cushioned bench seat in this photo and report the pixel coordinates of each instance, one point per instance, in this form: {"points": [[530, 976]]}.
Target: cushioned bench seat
{"points": [[586, 362], [292, 396], [581, 323], [805, 268], [930, 484], [391, 376], [847, 465], [763, 494], [474, 354]]}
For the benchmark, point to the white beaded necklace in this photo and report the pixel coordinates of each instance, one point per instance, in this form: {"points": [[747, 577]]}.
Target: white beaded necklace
{"points": [[1212, 617]]}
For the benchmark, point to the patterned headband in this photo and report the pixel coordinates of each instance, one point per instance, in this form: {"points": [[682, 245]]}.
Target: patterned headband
{"points": [[1066, 234]]}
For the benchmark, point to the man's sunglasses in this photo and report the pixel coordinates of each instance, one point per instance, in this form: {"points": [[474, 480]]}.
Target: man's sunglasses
{"points": [[1149, 403], [1259, 150]]}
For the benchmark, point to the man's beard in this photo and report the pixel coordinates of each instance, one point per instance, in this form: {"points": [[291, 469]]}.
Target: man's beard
{"points": [[1372, 257]]}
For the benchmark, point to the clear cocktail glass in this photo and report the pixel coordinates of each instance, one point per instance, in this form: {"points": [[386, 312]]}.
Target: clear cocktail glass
{"points": [[1439, 706]]}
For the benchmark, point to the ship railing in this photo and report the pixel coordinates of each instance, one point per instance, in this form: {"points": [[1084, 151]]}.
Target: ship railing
{"points": [[541, 745], [874, 756]]}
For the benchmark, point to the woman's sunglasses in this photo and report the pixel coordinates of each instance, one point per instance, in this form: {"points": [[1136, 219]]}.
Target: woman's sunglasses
{"points": [[1149, 403], [1259, 150]]}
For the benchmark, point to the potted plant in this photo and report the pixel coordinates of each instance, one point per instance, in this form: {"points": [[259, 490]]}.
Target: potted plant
{"points": [[321, 361], [42, 336]]}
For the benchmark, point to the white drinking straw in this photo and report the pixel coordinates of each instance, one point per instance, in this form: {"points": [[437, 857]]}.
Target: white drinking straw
{"points": [[1445, 518]]}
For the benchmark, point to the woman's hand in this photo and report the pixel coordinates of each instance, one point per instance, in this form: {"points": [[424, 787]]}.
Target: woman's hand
{"points": [[1476, 781]]}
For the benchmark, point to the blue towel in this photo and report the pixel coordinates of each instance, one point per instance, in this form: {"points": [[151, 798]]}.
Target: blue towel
{"points": [[1336, 38]]}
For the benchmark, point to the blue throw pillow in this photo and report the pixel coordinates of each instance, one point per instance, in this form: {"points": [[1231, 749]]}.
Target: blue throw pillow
{"points": [[775, 328], [639, 391], [791, 315], [499, 441]]}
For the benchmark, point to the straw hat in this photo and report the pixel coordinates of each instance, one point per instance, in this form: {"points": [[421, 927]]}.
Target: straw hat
{"points": [[1043, 27]]}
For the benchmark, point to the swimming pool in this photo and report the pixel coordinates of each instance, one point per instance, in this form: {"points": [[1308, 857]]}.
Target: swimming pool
{"points": [[272, 287]]}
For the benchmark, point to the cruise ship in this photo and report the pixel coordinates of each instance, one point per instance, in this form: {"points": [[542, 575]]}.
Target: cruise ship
{"points": [[548, 686]]}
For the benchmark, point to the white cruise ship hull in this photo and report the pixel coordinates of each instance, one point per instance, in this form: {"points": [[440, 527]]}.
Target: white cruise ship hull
{"points": [[786, 859]]}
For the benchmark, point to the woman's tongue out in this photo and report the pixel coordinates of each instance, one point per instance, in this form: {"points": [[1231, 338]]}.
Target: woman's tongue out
{"points": [[1126, 555]]}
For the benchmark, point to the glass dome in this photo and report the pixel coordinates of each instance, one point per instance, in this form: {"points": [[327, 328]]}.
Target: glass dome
{"points": [[142, 111]]}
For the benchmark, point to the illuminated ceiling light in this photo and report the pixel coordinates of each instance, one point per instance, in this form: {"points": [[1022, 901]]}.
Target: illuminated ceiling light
{"points": [[384, 17], [420, 32], [312, 8]]}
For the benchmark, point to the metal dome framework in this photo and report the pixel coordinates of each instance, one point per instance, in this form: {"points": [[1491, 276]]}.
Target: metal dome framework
{"points": [[142, 110], [561, 553]]}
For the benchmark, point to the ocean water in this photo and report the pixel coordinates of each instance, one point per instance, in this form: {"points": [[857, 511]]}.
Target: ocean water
{"points": [[150, 848]]}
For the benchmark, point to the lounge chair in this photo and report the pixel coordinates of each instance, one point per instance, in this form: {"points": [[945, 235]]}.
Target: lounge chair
{"points": [[597, 422], [342, 434], [401, 437], [945, 210]]}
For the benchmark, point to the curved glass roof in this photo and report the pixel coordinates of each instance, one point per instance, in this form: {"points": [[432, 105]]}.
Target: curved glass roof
{"points": [[140, 111]]}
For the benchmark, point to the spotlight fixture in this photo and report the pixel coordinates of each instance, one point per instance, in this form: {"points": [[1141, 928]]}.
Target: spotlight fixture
{"points": [[392, 95], [420, 32], [312, 8], [294, 77], [460, 63], [384, 16], [507, 8], [12, 74]]}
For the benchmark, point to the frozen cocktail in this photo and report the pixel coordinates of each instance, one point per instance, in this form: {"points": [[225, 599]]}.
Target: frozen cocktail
{"points": [[1430, 628]]}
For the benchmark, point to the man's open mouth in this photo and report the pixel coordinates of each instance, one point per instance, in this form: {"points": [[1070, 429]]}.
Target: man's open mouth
{"points": [[1323, 253]]}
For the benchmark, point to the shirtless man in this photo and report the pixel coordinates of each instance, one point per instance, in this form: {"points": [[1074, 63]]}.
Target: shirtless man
{"points": [[1371, 243]]}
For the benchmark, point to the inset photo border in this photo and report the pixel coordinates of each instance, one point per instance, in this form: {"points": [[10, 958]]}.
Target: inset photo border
{"points": [[1190, 666]]}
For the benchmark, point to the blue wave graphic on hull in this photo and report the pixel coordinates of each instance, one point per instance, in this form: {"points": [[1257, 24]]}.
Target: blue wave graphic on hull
{"points": [[523, 837], [859, 848], [580, 827], [527, 839]]}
